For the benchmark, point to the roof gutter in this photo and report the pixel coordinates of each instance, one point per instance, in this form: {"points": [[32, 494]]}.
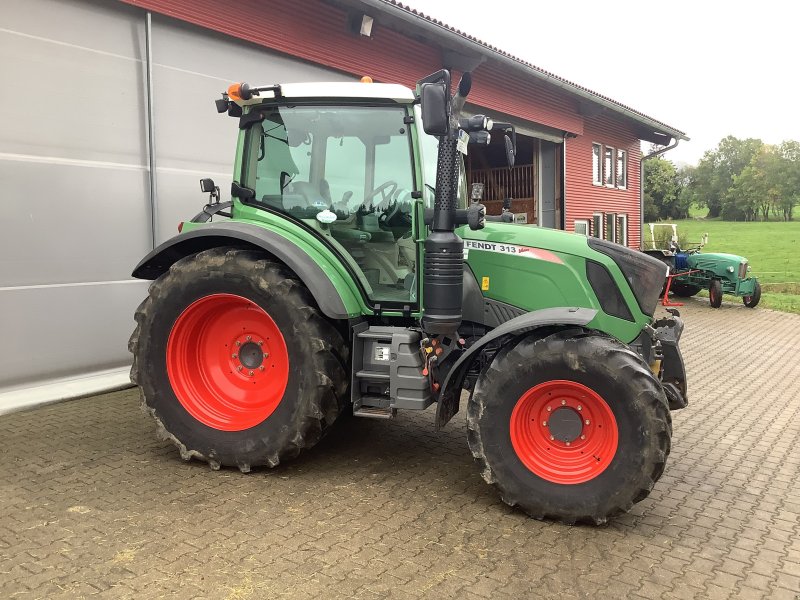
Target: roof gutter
{"points": [[641, 182], [441, 32]]}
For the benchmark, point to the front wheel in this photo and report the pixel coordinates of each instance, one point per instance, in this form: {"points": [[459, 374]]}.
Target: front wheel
{"points": [[753, 300], [572, 427]]}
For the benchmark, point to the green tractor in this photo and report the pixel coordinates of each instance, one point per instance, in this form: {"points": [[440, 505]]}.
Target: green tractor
{"points": [[692, 271], [352, 274]]}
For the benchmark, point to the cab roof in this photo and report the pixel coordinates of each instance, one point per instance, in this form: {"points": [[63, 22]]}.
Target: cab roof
{"points": [[344, 90]]}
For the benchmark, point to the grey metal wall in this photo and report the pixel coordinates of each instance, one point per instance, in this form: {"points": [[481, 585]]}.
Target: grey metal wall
{"points": [[74, 169]]}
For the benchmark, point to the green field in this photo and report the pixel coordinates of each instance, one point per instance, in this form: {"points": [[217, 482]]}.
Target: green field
{"points": [[773, 249]]}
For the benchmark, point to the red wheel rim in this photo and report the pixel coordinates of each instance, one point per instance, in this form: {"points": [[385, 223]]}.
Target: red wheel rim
{"points": [[227, 362], [578, 451]]}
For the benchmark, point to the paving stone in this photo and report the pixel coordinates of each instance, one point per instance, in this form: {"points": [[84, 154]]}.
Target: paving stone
{"points": [[94, 504]]}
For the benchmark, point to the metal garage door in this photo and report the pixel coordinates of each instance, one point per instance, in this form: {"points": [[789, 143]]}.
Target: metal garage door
{"points": [[75, 177]]}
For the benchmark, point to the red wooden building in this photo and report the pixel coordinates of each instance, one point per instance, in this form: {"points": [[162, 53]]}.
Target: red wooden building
{"points": [[579, 152]]}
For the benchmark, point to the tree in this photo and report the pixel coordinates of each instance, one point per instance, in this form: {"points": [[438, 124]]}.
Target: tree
{"points": [[714, 175], [788, 178], [665, 190], [661, 191]]}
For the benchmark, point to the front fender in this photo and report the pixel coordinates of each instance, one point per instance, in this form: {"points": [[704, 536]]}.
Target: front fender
{"points": [[333, 303], [450, 393]]}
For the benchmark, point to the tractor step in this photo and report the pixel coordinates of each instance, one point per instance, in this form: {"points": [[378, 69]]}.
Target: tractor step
{"points": [[375, 412]]}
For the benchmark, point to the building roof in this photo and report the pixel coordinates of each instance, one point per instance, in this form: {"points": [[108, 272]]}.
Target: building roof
{"points": [[450, 36]]}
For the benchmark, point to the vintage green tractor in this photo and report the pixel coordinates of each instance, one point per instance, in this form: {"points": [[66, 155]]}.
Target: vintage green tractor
{"points": [[692, 270], [351, 274]]}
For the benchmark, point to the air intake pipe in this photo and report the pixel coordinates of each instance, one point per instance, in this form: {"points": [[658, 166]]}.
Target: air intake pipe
{"points": [[443, 277]]}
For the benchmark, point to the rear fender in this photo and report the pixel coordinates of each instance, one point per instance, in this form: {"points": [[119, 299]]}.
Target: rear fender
{"points": [[450, 394], [333, 303]]}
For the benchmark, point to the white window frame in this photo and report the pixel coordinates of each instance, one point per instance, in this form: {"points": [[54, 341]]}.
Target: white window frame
{"points": [[622, 228], [599, 170], [623, 154], [613, 169], [585, 223], [598, 217], [611, 232]]}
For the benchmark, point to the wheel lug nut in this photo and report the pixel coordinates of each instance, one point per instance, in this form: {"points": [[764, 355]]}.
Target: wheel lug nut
{"points": [[266, 354], [552, 438], [238, 343], [587, 421], [248, 338], [583, 437], [580, 407], [261, 368], [563, 402], [261, 342], [234, 355], [567, 443], [549, 409], [239, 368], [250, 373], [544, 423]]}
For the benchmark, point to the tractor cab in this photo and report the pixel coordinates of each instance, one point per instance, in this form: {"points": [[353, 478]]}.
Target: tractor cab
{"points": [[345, 166]]}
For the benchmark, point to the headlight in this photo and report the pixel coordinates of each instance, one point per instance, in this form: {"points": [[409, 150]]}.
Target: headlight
{"points": [[643, 273], [730, 269]]}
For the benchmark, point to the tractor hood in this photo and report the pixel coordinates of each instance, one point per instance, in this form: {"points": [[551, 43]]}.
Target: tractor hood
{"points": [[535, 268], [711, 260], [543, 238]]}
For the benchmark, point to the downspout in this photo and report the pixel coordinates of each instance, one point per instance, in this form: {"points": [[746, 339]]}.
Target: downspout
{"points": [[151, 144], [564, 183], [641, 185]]}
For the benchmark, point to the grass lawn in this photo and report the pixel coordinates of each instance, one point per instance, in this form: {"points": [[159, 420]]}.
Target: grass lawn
{"points": [[772, 248]]}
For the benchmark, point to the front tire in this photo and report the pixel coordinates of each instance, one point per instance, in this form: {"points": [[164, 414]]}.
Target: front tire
{"points": [[752, 301], [235, 362], [572, 427]]}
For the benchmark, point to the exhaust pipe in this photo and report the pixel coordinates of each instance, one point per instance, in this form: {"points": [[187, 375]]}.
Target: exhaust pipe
{"points": [[443, 276]]}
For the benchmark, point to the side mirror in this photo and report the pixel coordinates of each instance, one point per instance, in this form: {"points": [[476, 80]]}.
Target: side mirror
{"points": [[434, 104], [207, 185], [510, 152]]}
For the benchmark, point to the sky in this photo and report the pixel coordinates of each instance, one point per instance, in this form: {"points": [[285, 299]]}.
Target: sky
{"points": [[706, 67]]}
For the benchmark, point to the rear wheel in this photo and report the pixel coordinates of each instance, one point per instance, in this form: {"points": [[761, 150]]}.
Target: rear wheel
{"points": [[684, 290], [715, 293], [572, 427], [235, 362], [753, 300]]}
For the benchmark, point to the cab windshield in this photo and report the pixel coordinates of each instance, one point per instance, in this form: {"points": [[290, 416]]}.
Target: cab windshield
{"points": [[347, 172]]}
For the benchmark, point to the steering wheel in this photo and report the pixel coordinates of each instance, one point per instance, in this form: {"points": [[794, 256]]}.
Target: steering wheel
{"points": [[384, 190], [394, 209]]}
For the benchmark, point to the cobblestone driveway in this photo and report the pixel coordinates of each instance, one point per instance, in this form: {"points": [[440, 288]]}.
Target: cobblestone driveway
{"points": [[91, 503]]}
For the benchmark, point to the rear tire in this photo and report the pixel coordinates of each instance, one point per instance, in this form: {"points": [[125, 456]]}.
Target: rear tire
{"points": [[684, 290], [752, 301], [715, 293], [235, 362], [590, 479]]}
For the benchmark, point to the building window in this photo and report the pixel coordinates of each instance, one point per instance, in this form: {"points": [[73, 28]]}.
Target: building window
{"points": [[622, 169], [622, 229], [611, 227], [597, 225], [597, 164], [582, 226], [608, 167]]}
